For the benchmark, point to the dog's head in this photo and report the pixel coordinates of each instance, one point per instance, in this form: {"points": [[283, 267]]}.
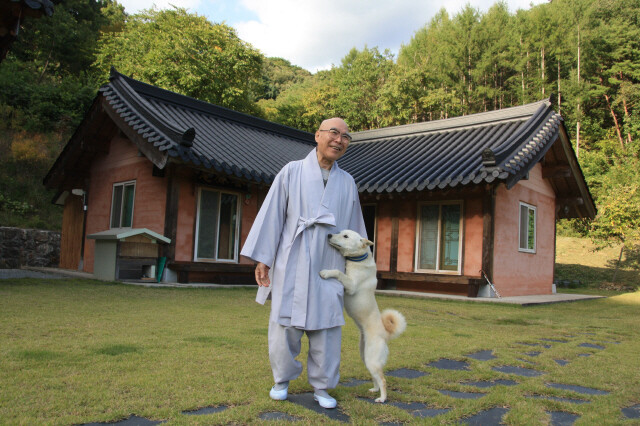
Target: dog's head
{"points": [[349, 243]]}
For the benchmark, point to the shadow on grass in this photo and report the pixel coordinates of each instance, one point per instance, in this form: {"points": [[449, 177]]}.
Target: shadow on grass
{"points": [[38, 355], [591, 276], [117, 349], [630, 259]]}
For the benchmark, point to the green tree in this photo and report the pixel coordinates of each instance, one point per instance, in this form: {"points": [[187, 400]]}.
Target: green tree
{"points": [[65, 42], [304, 105], [278, 75], [185, 53], [423, 85], [359, 79], [615, 65]]}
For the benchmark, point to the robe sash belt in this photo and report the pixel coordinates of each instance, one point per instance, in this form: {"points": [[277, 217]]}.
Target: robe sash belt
{"points": [[301, 287], [301, 272]]}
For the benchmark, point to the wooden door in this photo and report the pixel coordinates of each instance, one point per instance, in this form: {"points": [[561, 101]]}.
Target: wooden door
{"points": [[71, 238]]}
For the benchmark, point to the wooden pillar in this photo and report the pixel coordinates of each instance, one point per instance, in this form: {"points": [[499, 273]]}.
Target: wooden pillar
{"points": [[171, 213], [488, 229]]}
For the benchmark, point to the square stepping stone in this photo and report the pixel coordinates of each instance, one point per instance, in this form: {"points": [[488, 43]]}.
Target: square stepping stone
{"points": [[351, 383], [462, 395], [205, 410], [306, 400], [584, 355], [555, 340], [560, 399], [487, 417], [519, 371], [131, 421], [579, 389], [278, 416], [482, 355], [632, 412], [416, 409], [561, 362], [533, 353], [534, 344], [562, 418], [449, 364], [591, 345], [406, 373], [492, 383]]}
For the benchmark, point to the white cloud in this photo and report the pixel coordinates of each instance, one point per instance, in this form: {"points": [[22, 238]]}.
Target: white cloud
{"points": [[315, 34]]}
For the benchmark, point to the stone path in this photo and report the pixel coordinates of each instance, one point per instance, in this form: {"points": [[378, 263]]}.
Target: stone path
{"points": [[505, 375]]}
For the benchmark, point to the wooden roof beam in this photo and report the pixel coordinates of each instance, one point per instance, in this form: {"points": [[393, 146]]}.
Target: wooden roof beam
{"points": [[557, 171]]}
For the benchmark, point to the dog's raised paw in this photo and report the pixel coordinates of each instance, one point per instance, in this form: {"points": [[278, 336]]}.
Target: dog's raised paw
{"points": [[326, 273]]}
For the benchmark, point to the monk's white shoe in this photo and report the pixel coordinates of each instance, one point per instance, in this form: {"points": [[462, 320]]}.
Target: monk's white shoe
{"points": [[279, 395], [325, 402]]}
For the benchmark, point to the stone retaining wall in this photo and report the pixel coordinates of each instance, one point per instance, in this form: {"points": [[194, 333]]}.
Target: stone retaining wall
{"points": [[28, 247]]}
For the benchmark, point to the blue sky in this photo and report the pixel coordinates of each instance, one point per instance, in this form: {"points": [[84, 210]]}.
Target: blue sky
{"points": [[316, 34]]}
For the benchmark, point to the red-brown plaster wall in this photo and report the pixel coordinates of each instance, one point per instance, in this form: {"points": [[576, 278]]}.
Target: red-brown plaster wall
{"points": [[123, 164], [187, 202], [472, 243], [383, 236], [249, 211], [407, 228], [407, 211], [517, 273]]}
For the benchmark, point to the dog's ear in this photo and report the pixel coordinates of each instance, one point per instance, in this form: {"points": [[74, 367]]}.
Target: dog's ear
{"points": [[366, 242]]}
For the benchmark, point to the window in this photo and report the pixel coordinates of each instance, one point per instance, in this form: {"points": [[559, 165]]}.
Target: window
{"points": [[527, 228], [122, 204], [439, 237], [217, 226]]}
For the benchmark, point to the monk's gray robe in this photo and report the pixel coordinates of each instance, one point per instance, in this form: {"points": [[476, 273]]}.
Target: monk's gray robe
{"points": [[289, 235]]}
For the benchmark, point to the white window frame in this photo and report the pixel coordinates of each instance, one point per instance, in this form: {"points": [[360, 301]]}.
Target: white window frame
{"points": [[113, 196], [460, 238], [530, 208], [236, 250]]}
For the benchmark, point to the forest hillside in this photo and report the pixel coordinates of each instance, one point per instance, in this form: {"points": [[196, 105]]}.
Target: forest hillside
{"points": [[582, 54]]}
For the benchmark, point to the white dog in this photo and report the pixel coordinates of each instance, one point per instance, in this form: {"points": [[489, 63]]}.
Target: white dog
{"points": [[360, 282]]}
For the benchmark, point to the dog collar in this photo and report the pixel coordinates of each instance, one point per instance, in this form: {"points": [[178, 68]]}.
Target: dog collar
{"points": [[359, 258]]}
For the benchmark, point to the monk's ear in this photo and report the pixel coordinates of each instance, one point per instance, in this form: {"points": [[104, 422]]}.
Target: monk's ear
{"points": [[366, 242]]}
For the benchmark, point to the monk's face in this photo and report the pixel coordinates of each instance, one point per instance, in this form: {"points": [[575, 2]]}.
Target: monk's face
{"points": [[333, 139]]}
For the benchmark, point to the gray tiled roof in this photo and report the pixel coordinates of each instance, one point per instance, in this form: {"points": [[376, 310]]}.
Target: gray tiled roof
{"points": [[491, 147], [480, 148], [45, 5], [203, 134]]}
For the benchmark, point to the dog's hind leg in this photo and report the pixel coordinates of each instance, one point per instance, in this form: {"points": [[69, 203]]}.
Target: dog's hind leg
{"points": [[375, 358], [380, 383]]}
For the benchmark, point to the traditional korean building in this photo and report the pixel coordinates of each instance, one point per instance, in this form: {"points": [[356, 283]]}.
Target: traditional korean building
{"points": [[450, 204]]}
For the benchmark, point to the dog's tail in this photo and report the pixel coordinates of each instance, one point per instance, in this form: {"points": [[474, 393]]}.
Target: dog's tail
{"points": [[393, 322]]}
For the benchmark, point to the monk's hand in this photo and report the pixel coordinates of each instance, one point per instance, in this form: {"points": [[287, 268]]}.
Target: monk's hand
{"points": [[262, 275]]}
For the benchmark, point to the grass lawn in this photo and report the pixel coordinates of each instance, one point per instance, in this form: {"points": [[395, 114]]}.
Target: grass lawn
{"points": [[78, 351]]}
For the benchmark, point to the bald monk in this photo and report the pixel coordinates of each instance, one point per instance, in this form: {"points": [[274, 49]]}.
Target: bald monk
{"points": [[308, 199]]}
